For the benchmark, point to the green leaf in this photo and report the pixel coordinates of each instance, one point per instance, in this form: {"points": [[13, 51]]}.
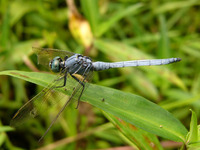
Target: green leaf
{"points": [[91, 11], [193, 133], [138, 137], [172, 5], [4, 29], [131, 108], [105, 26], [3, 136], [164, 43], [23, 8], [5, 129]]}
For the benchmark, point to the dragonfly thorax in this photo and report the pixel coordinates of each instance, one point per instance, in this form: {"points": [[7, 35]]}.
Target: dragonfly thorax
{"points": [[78, 64]]}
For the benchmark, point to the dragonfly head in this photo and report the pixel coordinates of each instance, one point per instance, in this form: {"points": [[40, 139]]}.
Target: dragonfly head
{"points": [[55, 64]]}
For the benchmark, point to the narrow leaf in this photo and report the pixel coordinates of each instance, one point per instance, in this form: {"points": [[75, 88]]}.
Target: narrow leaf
{"points": [[131, 108], [193, 133], [105, 26]]}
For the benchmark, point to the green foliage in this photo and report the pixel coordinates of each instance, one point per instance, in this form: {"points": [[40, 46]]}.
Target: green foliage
{"points": [[122, 30]]}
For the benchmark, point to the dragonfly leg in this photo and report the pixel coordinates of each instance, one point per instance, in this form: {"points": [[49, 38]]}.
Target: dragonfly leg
{"points": [[59, 79], [64, 83], [82, 82], [83, 85]]}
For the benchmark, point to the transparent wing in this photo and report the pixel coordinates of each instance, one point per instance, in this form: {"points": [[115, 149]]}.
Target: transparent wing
{"points": [[46, 98], [45, 55], [77, 91], [39, 103]]}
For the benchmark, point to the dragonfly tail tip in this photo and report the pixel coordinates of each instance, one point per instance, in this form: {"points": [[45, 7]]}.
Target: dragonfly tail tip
{"points": [[178, 59]]}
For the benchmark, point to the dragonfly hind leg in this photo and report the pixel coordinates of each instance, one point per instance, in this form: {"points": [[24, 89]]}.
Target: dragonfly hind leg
{"points": [[82, 84]]}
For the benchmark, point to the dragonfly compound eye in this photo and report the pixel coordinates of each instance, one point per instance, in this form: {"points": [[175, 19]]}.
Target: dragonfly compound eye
{"points": [[55, 64]]}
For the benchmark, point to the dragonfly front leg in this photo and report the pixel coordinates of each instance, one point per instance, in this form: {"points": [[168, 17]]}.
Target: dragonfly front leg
{"points": [[83, 85]]}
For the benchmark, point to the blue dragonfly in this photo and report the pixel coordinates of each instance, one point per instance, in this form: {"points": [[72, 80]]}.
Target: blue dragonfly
{"points": [[69, 65]]}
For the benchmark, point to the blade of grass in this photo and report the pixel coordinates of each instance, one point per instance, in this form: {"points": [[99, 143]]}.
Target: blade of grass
{"points": [[164, 50], [91, 11], [105, 26], [129, 107], [149, 37], [169, 6], [193, 135]]}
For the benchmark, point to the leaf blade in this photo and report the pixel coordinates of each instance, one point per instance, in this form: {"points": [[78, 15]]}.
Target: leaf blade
{"points": [[129, 107]]}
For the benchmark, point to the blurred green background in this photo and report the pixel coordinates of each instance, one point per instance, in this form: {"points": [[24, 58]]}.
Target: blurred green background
{"points": [[105, 30]]}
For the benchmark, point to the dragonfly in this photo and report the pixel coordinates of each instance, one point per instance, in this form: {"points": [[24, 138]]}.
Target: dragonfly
{"points": [[69, 65]]}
